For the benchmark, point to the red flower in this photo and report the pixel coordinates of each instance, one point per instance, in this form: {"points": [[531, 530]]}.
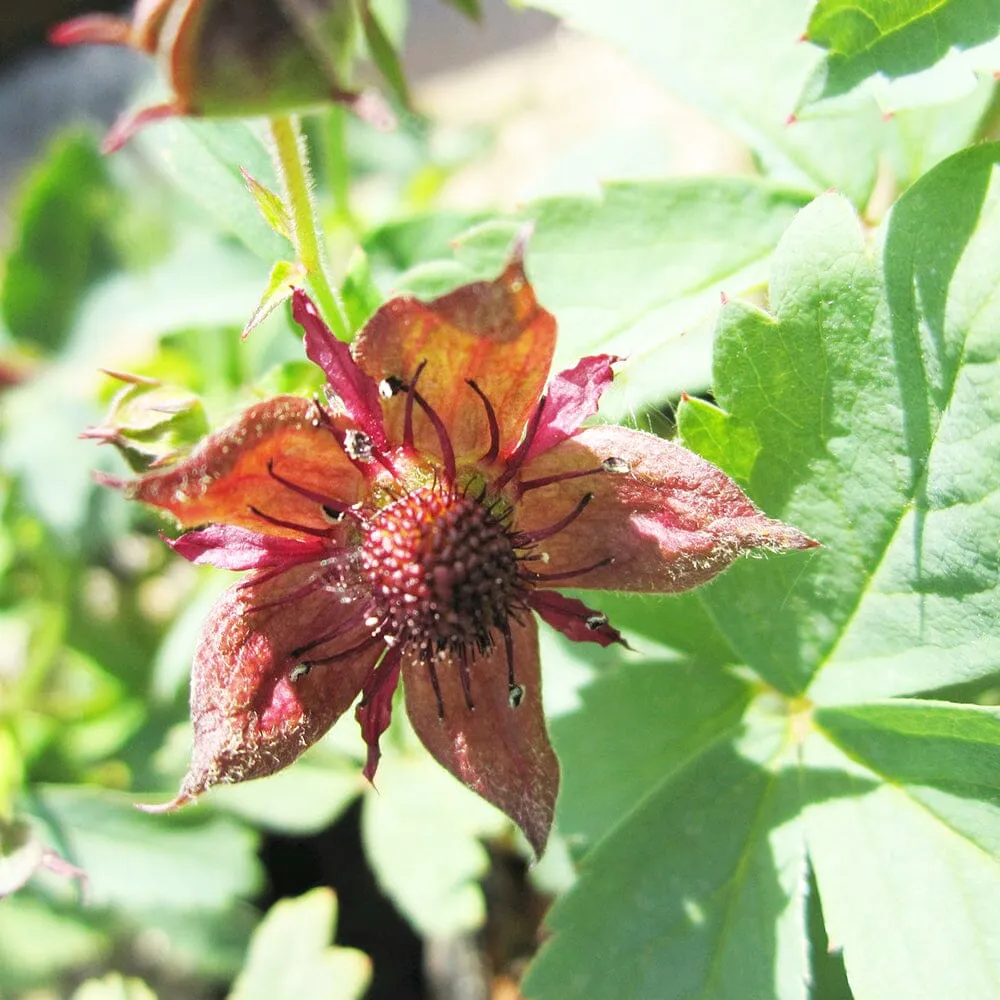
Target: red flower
{"points": [[411, 525]]}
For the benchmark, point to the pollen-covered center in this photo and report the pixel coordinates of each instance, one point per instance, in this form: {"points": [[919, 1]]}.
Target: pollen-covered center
{"points": [[443, 570]]}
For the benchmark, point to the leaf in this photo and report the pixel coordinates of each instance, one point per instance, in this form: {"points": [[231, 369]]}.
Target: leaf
{"points": [[471, 8], [632, 272], [384, 55], [742, 65], [865, 37], [696, 892], [908, 868], [61, 243], [280, 285], [138, 862], [114, 987], [290, 956], [870, 390], [704, 428], [639, 726], [208, 160], [421, 830], [271, 205]]}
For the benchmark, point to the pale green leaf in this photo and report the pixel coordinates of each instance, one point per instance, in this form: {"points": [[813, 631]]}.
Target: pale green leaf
{"points": [[114, 987], [280, 284]]}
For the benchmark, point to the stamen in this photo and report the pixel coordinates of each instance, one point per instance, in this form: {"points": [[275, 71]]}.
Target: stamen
{"points": [[568, 573], [343, 654], [515, 692], [436, 684], [491, 416], [345, 626], [408, 410], [523, 538], [320, 498], [292, 525], [517, 459], [559, 477], [463, 673], [447, 451]]}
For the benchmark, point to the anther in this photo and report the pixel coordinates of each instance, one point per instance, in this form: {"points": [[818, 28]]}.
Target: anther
{"points": [[515, 695], [594, 622], [300, 671], [358, 446], [388, 387], [616, 465]]}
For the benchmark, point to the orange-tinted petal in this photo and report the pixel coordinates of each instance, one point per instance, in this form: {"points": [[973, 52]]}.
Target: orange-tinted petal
{"points": [[667, 518], [501, 752], [250, 716], [491, 332], [228, 474]]}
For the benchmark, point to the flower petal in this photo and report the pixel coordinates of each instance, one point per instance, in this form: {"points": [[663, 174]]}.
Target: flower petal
{"points": [[356, 389], [228, 547], [491, 332], [374, 711], [228, 474], [250, 716], [667, 518], [574, 619], [573, 395], [501, 752]]}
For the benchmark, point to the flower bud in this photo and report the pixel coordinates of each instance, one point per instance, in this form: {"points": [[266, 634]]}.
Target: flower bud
{"points": [[234, 57]]}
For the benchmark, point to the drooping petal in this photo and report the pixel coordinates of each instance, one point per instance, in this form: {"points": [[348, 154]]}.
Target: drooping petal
{"points": [[574, 619], [573, 395], [491, 332], [501, 752], [665, 518], [229, 547], [374, 711], [357, 390], [233, 473], [252, 714]]}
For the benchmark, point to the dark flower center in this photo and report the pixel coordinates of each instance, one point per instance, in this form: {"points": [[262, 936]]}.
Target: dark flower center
{"points": [[443, 569]]}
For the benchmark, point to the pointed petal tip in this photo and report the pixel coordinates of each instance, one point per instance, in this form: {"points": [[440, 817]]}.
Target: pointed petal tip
{"points": [[91, 29], [107, 479], [521, 241], [182, 798], [132, 121]]}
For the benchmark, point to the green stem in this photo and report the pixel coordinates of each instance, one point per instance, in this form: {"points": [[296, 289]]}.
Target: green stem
{"points": [[337, 169], [292, 162]]}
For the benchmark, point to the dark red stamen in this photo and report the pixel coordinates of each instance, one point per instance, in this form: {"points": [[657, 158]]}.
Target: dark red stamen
{"points": [[341, 438], [408, 409], [305, 529], [447, 451], [326, 502], [523, 538], [463, 674], [335, 633], [291, 596], [435, 684], [559, 477], [491, 416], [343, 654], [567, 574], [520, 453]]}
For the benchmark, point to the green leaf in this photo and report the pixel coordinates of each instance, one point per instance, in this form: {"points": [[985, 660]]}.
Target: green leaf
{"points": [[271, 206], [711, 432], [421, 832], [741, 63], [290, 956], [139, 862], [114, 987], [696, 892], [204, 159], [865, 37], [284, 275], [384, 55], [471, 8], [61, 242], [638, 727], [909, 868]]}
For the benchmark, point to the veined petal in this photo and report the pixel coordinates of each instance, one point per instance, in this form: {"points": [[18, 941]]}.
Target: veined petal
{"points": [[574, 619], [667, 519], [500, 752], [230, 473], [228, 547], [491, 332], [374, 711], [357, 391], [573, 395], [250, 716]]}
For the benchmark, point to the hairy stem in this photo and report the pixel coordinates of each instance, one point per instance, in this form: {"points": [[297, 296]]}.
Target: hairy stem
{"points": [[292, 163]]}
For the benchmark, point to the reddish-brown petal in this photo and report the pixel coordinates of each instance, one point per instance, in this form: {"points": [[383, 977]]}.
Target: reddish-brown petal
{"points": [[374, 711], [228, 547], [492, 332], [228, 474], [574, 619], [573, 395], [500, 752], [251, 718], [668, 519]]}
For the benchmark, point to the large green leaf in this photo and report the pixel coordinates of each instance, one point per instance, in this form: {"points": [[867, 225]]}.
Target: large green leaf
{"points": [[894, 38], [867, 406], [741, 63]]}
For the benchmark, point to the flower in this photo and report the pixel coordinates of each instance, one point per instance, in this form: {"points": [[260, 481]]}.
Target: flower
{"points": [[411, 524]]}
